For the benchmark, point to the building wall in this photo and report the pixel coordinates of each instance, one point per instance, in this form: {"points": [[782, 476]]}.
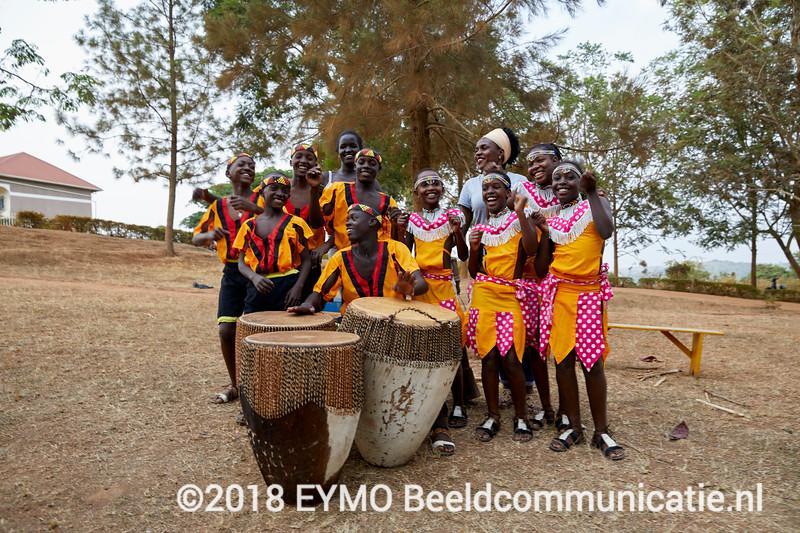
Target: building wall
{"points": [[48, 199]]}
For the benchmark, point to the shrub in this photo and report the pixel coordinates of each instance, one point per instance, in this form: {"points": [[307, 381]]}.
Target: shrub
{"points": [[31, 219], [622, 281]]}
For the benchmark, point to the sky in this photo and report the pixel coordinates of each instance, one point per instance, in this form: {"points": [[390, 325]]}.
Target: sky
{"points": [[620, 25]]}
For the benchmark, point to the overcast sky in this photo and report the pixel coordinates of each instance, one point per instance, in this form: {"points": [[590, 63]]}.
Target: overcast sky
{"points": [[620, 25]]}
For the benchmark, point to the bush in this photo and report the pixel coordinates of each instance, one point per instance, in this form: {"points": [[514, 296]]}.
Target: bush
{"points": [[784, 295], [736, 290], [31, 219], [622, 281]]}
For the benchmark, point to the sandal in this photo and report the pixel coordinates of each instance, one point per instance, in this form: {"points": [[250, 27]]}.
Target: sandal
{"points": [[458, 418], [229, 394], [566, 440], [563, 422], [609, 447], [487, 430], [441, 443], [538, 421], [522, 433]]}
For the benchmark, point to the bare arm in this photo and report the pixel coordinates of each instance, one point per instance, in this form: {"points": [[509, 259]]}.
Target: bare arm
{"points": [[475, 247], [529, 241], [601, 209]]}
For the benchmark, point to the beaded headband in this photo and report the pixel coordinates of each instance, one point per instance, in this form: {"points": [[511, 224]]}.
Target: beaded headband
{"points": [[366, 209]]}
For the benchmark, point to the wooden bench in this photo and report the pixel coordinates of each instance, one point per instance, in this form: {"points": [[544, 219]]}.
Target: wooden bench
{"points": [[695, 354]]}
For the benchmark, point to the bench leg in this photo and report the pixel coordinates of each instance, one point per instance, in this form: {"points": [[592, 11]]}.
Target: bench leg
{"points": [[697, 354]]}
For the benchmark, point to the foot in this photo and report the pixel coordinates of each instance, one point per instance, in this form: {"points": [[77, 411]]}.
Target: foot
{"points": [[458, 418], [505, 399], [566, 440], [522, 433], [228, 394], [487, 430], [441, 442], [609, 447]]}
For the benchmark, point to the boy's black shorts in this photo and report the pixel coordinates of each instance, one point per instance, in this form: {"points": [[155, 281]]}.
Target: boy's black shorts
{"points": [[232, 294], [275, 300]]}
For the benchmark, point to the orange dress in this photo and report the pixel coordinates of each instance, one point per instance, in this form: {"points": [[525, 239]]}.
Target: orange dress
{"points": [[496, 316], [576, 289], [342, 195], [220, 214], [279, 252], [393, 258], [433, 258]]}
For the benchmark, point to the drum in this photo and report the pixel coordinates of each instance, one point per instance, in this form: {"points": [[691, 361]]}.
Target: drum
{"points": [[411, 353], [301, 395], [268, 321]]}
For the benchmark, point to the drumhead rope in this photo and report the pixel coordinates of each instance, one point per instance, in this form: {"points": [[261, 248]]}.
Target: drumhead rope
{"points": [[415, 343], [280, 373]]}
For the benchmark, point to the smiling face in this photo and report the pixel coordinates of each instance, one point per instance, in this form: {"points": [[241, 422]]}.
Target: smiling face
{"points": [[302, 162], [348, 148], [495, 195], [565, 186], [242, 171], [540, 169], [359, 225], [276, 195], [367, 169], [486, 152], [430, 191]]}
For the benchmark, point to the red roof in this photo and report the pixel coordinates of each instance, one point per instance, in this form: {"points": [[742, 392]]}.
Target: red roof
{"points": [[25, 166]]}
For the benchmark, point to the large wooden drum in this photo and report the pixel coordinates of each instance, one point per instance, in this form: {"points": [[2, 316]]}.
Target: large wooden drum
{"points": [[301, 394], [269, 321], [411, 353]]}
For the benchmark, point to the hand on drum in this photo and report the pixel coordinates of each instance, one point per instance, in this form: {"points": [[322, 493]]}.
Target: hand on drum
{"points": [[405, 285], [263, 285], [294, 296], [304, 308]]}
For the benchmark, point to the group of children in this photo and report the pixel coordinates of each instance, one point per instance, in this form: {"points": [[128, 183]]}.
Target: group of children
{"points": [[533, 246]]}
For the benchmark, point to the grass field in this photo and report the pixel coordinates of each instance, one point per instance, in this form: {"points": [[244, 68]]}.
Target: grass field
{"points": [[108, 358]]}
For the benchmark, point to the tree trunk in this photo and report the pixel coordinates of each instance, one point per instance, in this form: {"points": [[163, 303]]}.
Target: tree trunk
{"points": [[753, 236], [420, 140], [173, 142]]}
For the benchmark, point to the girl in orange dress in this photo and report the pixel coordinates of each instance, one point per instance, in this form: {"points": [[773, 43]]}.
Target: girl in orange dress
{"points": [[431, 234], [497, 319], [575, 290]]}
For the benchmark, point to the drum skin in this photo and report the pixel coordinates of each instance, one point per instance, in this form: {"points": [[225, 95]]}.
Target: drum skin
{"points": [[410, 361], [301, 396]]}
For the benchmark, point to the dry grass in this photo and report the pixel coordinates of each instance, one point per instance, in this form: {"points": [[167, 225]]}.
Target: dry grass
{"points": [[108, 358]]}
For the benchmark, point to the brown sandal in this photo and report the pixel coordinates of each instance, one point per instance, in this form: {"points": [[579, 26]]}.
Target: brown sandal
{"points": [[487, 430], [566, 440]]}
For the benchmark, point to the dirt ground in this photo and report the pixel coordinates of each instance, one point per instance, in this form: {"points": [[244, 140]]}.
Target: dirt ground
{"points": [[108, 358]]}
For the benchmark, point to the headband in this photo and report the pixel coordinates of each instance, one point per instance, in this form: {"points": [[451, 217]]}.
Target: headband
{"points": [[428, 177], [536, 152], [303, 147], [500, 138], [366, 209], [280, 179], [369, 152], [567, 168], [237, 156], [499, 177]]}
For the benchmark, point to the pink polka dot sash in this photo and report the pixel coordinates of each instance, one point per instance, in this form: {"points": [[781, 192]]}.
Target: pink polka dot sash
{"points": [[590, 342]]}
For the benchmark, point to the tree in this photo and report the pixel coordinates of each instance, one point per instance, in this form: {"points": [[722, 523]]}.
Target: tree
{"points": [[155, 101], [421, 79], [735, 84], [686, 270], [618, 123], [21, 99]]}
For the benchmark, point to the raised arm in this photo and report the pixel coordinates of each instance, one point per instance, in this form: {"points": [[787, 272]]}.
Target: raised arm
{"points": [[529, 241], [601, 209], [475, 252]]}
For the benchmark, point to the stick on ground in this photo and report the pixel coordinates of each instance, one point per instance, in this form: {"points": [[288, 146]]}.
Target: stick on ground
{"points": [[720, 396], [715, 406]]}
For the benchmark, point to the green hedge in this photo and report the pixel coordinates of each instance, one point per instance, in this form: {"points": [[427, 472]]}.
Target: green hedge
{"points": [[737, 290], [32, 219]]}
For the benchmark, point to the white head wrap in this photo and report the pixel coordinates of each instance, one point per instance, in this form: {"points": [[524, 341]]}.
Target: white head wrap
{"points": [[500, 138]]}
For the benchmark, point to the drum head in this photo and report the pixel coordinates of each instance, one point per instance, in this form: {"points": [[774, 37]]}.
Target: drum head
{"points": [[285, 320], [303, 339], [413, 313]]}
